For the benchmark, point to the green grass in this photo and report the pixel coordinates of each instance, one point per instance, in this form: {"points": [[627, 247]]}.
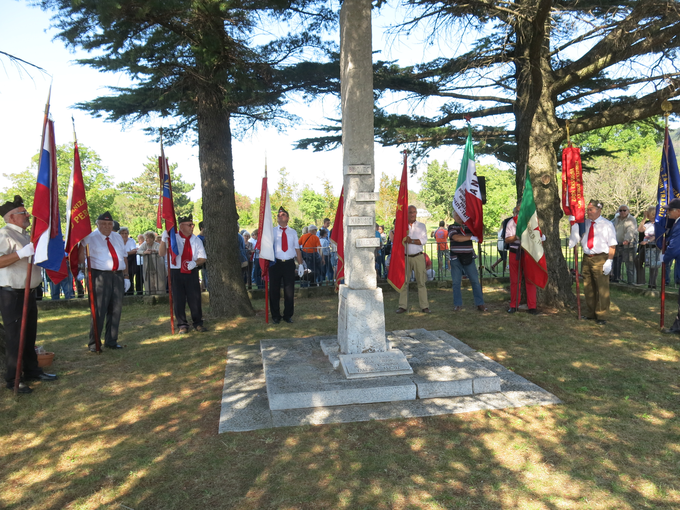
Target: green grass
{"points": [[139, 427]]}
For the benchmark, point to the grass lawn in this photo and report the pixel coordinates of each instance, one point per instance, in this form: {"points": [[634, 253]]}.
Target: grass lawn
{"points": [[138, 428]]}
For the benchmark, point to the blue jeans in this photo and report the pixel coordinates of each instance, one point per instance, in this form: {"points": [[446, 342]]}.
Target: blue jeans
{"points": [[257, 274], [470, 270]]}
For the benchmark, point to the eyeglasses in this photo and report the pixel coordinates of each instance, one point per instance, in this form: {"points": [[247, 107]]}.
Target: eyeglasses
{"points": [[623, 210], [19, 213]]}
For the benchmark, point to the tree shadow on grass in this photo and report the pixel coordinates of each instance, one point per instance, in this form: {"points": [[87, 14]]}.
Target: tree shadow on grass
{"points": [[138, 427]]}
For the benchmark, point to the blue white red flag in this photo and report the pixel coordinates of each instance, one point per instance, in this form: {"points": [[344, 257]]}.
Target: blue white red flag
{"points": [[669, 187], [265, 239], [46, 236], [166, 207]]}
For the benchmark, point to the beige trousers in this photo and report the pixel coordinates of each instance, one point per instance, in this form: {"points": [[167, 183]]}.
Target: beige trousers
{"points": [[416, 264]]}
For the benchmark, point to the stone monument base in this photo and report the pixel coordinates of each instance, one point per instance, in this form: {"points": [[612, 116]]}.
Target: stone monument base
{"points": [[298, 374], [246, 398]]}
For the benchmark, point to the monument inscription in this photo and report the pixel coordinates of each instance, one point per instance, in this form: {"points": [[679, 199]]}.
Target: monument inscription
{"points": [[367, 196], [368, 242], [358, 170], [375, 364], [359, 221]]}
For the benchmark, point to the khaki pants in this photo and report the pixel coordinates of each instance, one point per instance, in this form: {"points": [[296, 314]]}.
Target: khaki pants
{"points": [[416, 264], [595, 286]]}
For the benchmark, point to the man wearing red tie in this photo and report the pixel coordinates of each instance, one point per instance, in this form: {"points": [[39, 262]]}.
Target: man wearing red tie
{"points": [[286, 250], [186, 287], [110, 278], [599, 246]]}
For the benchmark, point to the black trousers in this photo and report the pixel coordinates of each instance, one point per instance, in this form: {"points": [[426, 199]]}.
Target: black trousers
{"points": [[186, 289], [132, 273], [108, 288], [282, 271], [139, 279], [11, 306]]}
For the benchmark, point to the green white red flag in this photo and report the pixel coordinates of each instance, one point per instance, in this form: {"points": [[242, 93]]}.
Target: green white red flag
{"points": [[396, 274], [529, 232], [467, 201]]}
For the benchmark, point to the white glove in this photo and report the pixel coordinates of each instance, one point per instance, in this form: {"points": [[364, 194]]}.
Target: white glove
{"points": [[607, 268], [190, 265], [301, 270], [80, 276], [543, 238], [165, 236], [127, 284], [574, 238], [474, 238], [26, 251], [660, 258]]}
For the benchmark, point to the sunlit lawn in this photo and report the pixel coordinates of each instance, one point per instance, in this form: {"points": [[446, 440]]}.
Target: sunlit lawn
{"points": [[139, 427]]}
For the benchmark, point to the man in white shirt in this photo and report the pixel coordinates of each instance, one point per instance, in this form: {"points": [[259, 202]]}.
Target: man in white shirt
{"points": [[186, 287], [599, 246], [415, 261], [15, 252], [286, 250], [110, 279]]}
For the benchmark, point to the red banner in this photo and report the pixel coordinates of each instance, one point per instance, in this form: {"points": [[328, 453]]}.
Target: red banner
{"points": [[338, 238], [78, 224], [573, 203], [396, 274]]}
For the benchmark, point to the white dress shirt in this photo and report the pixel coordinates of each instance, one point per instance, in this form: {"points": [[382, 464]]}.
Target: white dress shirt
{"points": [[416, 230], [130, 245], [100, 256], [603, 237], [197, 251], [291, 234]]}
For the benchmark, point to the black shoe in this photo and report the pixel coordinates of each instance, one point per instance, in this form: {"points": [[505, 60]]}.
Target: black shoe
{"points": [[601, 322], [532, 311], [670, 331], [42, 377], [276, 321], [586, 318], [23, 388], [512, 310], [201, 329], [117, 346], [93, 349], [288, 320], [183, 330]]}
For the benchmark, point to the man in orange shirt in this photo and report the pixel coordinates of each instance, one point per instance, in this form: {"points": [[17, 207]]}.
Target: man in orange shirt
{"points": [[310, 246], [443, 256]]}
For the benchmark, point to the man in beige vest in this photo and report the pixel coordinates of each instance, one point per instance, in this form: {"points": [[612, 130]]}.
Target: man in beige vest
{"points": [[16, 250]]}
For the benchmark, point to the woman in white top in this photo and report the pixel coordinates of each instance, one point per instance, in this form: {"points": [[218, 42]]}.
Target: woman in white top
{"points": [[649, 242], [155, 275]]}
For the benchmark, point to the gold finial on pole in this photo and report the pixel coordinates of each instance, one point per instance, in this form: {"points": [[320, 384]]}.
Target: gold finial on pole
{"points": [[568, 137]]}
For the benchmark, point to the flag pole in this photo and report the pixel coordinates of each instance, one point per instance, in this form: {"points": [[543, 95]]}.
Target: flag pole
{"points": [[519, 251], [29, 266], [266, 277], [172, 313], [90, 295], [666, 107]]}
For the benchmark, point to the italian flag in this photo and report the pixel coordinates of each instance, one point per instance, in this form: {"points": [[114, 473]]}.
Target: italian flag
{"points": [[467, 201], [533, 256]]}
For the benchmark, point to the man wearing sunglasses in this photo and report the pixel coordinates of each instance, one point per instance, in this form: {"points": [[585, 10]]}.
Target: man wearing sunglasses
{"points": [[186, 287], [15, 252], [626, 238]]}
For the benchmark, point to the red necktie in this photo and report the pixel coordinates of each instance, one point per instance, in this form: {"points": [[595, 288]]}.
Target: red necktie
{"points": [[284, 240], [113, 253], [591, 236]]}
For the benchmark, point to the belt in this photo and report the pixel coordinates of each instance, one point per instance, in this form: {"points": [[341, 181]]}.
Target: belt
{"points": [[283, 260], [106, 270], [594, 254], [415, 254]]}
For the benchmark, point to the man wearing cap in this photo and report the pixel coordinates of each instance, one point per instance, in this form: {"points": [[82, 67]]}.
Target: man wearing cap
{"points": [[673, 252], [310, 246], [599, 247], [415, 261], [15, 252], [110, 279], [286, 250], [184, 268]]}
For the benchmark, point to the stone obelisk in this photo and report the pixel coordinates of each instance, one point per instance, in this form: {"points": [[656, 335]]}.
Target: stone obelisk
{"points": [[361, 313]]}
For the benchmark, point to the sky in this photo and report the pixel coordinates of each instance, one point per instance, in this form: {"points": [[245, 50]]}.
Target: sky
{"points": [[25, 32]]}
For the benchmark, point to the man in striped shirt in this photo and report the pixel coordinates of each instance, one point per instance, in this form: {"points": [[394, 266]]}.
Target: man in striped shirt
{"points": [[462, 256]]}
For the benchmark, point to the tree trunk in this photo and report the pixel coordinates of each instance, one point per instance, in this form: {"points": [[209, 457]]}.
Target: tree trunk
{"points": [[228, 295], [536, 121]]}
